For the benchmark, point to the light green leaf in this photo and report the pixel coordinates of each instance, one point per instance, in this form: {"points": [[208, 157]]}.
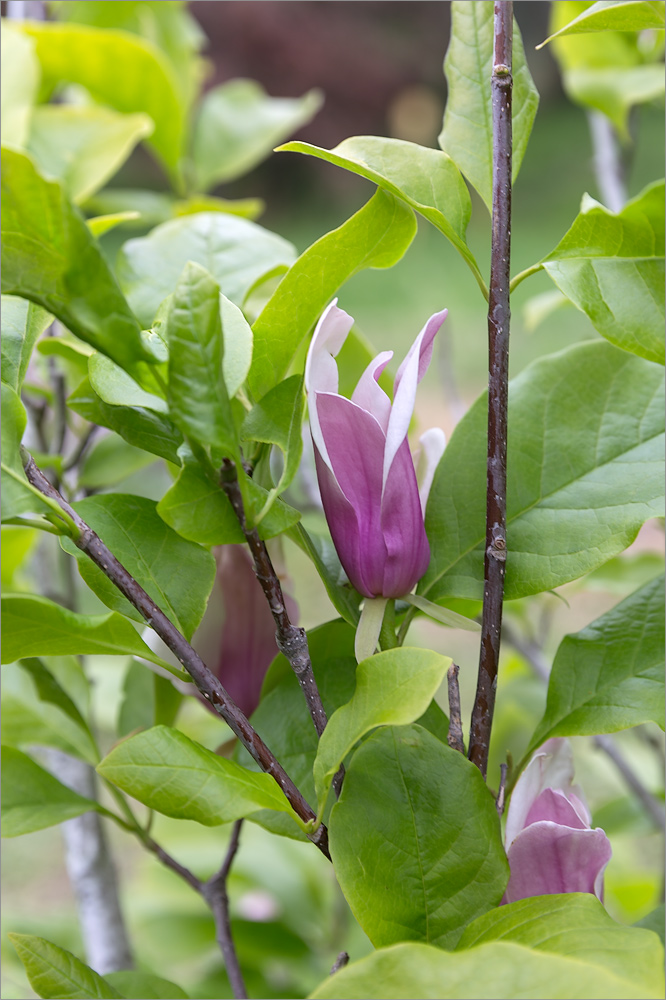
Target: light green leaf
{"points": [[119, 70], [137, 425], [614, 90], [577, 926], [22, 323], [144, 986], [35, 626], [239, 124], [101, 224], [33, 799], [20, 80], [234, 251], [443, 615], [615, 15], [610, 675], [148, 700], [18, 496], [278, 419], [425, 179], [321, 551], [237, 337], [612, 268], [376, 236], [83, 146], [199, 510], [198, 400], [17, 545], [50, 257], [176, 573], [170, 773], [415, 839], [654, 921], [110, 461], [497, 969], [467, 134], [115, 386], [57, 974], [393, 688], [584, 466]]}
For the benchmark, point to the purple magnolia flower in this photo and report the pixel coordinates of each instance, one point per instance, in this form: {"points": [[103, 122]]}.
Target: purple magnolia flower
{"points": [[373, 503], [550, 844]]}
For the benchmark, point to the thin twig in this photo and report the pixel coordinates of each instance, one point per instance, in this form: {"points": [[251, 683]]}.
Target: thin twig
{"points": [[498, 379], [215, 893], [204, 679], [455, 737], [340, 962], [82, 447]]}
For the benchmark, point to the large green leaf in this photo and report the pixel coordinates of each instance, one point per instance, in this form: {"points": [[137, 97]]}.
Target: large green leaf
{"points": [[83, 146], [611, 266], [111, 460], [585, 460], [577, 926], [170, 773], [144, 986], [610, 675], [176, 573], [57, 974], [615, 15], [22, 323], [238, 125], [118, 69], [35, 626], [197, 394], [493, 970], [115, 386], [33, 799], [234, 251], [393, 688], [376, 236], [425, 179], [50, 257], [415, 839], [20, 80], [467, 134]]}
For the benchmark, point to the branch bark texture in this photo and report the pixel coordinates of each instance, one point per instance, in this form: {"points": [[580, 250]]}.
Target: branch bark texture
{"points": [[499, 314]]}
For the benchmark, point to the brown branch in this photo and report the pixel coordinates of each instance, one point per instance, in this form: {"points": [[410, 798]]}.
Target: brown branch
{"points": [[455, 737], [214, 892], [498, 379], [340, 962], [204, 679]]}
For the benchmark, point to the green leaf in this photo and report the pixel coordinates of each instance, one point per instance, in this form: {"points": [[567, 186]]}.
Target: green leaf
{"points": [[415, 839], [20, 81], [615, 15], [614, 90], [82, 147], [50, 257], [199, 510], [234, 251], [322, 552], [57, 974], [35, 626], [33, 799], [609, 676], [176, 573], [654, 922], [119, 70], [22, 323], [110, 461], [115, 386], [577, 926], [425, 179], [148, 700], [139, 426], [497, 969], [101, 224], [18, 497], [49, 690], [612, 268], [467, 134], [585, 471], [237, 337], [144, 986], [278, 419], [376, 236], [393, 688], [239, 124], [17, 545], [198, 400], [170, 773]]}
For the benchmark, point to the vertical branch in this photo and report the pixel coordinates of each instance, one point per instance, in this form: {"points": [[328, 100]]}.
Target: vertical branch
{"points": [[215, 893], [498, 377]]}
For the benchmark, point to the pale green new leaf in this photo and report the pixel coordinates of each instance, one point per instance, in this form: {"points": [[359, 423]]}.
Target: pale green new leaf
{"points": [[56, 974], [113, 385], [170, 773], [237, 337], [22, 323], [615, 15], [20, 81], [376, 236], [467, 134], [611, 266], [614, 90], [33, 799], [585, 468], [610, 675], [238, 125], [425, 179], [393, 688]]}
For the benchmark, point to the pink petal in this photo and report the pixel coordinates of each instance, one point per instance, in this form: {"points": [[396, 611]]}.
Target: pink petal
{"points": [[547, 858], [369, 395], [433, 443], [321, 370], [551, 766], [554, 806], [408, 552]]}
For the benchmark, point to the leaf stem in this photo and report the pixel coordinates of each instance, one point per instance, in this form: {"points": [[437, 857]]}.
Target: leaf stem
{"points": [[524, 274], [498, 379]]}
